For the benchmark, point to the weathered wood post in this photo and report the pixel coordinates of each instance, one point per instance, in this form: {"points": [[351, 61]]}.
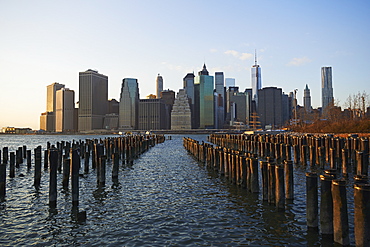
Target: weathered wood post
{"points": [[75, 167], [115, 166], [265, 182], [86, 162], [362, 214], [254, 175], [333, 164], [53, 156], [102, 168], [37, 178], [289, 181], [2, 181], [280, 188], [12, 165], [272, 183], [28, 155], [24, 150], [326, 206], [322, 157], [46, 159], [312, 200], [340, 214], [5, 155], [66, 173], [345, 162], [296, 153]]}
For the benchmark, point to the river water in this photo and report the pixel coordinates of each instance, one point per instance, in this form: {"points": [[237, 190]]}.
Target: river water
{"points": [[166, 198]]}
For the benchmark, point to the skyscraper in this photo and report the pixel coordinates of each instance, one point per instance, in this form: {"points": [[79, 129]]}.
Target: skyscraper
{"points": [[159, 86], [270, 107], [47, 119], [189, 90], [230, 82], [256, 80], [307, 99], [93, 100], [65, 111], [326, 88], [219, 100], [129, 104], [181, 114], [204, 99]]}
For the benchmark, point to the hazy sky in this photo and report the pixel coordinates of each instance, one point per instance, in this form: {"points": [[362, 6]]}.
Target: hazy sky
{"points": [[42, 42]]}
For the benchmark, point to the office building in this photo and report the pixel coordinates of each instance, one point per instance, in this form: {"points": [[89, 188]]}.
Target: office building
{"points": [[168, 98], [188, 85], [151, 114], [326, 88], [219, 100], [256, 80], [159, 85], [229, 82], [65, 111], [237, 105], [204, 105], [93, 100], [270, 107], [129, 104], [47, 119], [307, 99], [181, 113]]}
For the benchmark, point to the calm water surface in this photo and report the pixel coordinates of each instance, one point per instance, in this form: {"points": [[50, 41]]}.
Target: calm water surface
{"points": [[165, 198]]}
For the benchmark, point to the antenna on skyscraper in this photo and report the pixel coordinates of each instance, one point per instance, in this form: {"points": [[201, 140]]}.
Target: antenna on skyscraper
{"points": [[255, 57]]}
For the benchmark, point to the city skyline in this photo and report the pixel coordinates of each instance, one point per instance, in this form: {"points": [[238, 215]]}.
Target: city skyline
{"points": [[40, 46]]}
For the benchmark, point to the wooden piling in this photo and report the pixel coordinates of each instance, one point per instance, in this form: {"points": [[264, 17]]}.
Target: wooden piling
{"points": [[115, 165], [37, 178], [280, 188], [2, 181], [340, 214], [53, 156], [312, 200], [362, 214], [254, 175], [12, 165], [66, 173], [326, 206], [289, 181], [75, 166]]}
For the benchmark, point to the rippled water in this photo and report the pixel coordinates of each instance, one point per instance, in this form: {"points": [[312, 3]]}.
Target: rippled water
{"points": [[165, 198]]}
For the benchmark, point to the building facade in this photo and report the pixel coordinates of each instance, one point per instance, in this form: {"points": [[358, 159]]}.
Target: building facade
{"points": [[93, 100], [204, 105], [65, 111], [307, 99], [326, 88], [151, 114], [188, 85], [47, 119], [129, 104], [256, 80], [270, 107], [219, 100], [181, 113], [159, 85]]}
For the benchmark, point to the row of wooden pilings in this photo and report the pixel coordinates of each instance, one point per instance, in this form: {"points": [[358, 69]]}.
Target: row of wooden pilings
{"points": [[243, 159], [65, 158]]}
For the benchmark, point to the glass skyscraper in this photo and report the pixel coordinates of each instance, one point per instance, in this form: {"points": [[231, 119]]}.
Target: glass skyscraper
{"points": [[129, 104], [204, 98], [326, 87], [256, 80]]}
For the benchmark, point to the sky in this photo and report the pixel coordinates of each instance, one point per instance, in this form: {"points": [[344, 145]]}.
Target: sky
{"points": [[42, 42]]}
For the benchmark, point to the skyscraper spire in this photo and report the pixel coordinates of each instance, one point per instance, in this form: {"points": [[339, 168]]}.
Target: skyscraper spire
{"points": [[255, 57]]}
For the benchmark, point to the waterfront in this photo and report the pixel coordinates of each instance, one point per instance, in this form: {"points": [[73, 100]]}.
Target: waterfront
{"points": [[165, 198]]}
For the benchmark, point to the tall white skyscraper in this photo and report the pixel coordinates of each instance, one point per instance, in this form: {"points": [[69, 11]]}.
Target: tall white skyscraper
{"points": [[256, 79], [159, 86], [326, 87]]}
